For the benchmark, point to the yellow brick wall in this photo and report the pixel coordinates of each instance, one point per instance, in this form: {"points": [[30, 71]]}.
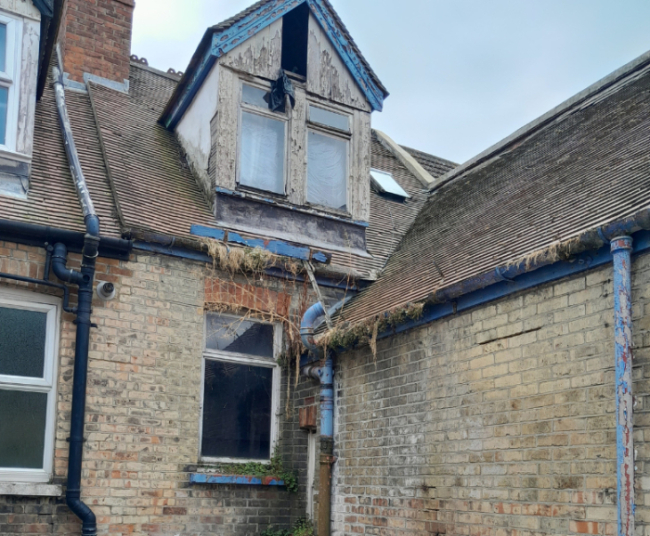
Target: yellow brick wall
{"points": [[497, 422]]}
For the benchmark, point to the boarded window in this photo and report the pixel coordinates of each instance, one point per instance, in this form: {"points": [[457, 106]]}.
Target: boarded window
{"points": [[239, 389]]}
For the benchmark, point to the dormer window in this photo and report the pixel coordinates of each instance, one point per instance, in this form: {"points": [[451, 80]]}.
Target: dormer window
{"points": [[327, 158], [263, 133]]}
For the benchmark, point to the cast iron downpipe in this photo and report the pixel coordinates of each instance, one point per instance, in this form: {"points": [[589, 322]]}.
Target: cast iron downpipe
{"points": [[621, 248], [84, 279], [325, 375]]}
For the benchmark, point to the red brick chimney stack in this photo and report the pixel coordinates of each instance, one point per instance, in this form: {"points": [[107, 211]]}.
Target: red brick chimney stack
{"points": [[96, 38]]}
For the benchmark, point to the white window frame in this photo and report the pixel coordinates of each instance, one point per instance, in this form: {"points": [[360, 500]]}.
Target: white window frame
{"points": [[19, 299], [233, 357], [10, 78], [257, 110], [335, 133]]}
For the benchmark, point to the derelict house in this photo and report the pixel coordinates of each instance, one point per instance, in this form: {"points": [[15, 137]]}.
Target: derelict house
{"points": [[229, 306]]}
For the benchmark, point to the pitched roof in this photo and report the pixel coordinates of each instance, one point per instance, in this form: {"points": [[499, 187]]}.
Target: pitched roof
{"points": [[139, 180], [52, 198], [585, 165], [223, 37]]}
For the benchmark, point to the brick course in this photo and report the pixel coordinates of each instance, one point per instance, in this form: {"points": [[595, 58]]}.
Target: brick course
{"points": [[97, 38], [142, 419]]}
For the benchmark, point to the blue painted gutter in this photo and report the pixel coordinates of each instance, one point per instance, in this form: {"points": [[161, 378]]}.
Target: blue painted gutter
{"points": [[621, 248]]}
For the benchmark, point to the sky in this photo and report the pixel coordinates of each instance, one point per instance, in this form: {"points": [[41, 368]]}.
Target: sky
{"points": [[462, 74]]}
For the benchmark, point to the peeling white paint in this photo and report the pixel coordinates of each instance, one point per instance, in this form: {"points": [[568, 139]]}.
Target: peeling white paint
{"points": [[194, 129]]}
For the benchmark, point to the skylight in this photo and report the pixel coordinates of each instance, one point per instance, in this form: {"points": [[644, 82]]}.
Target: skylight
{"points": [[385, 183]]}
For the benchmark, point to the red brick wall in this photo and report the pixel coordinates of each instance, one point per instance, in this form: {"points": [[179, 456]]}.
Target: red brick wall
{"points": [[96, 38]]}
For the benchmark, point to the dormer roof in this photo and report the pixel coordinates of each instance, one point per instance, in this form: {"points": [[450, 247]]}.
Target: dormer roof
{"points": [[220, 39]]}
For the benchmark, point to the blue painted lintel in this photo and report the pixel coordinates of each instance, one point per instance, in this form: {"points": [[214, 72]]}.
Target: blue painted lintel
{"points": [[244, 480], [277, 247]]}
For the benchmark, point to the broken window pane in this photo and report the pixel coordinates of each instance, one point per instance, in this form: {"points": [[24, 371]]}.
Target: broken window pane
{"points": [[22, 429], [22, 342], [232, 334], [327, 170], [255, 96], [237, 402], [261, 158], [329, 119]]}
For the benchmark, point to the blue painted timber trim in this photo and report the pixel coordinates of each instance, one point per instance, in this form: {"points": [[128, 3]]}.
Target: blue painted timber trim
{"points": [[352, 61], [546, 274], [276, 247], [245, 480], [191, 88], [226, 40], [242, 195], [208, 232]]}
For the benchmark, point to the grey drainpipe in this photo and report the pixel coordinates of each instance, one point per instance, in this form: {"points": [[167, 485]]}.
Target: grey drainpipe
{"points": [[84, 279], [325, 375]]}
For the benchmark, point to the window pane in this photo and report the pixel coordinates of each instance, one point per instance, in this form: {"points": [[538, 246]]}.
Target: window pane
{"points": [[237, 411], [4, 98], [261, 158], [233, 334], [385, 182], [3, 47], [22, 342], [327, 169], [327, 118], [22, 429], [255, 96]]}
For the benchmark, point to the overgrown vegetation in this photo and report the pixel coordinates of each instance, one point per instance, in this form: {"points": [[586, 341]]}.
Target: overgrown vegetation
{"points": [[303, 527], [261, 470], [346, 336]]}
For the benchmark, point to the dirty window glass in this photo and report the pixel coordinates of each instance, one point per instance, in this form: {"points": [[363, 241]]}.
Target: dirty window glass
{"points": [[255, 96], [327, 170], [237, 401], [22, 429], [22, 342], [261, 158], [329, 119], [232, 334]]}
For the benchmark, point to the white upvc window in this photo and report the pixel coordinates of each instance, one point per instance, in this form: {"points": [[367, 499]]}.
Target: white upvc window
{"points": [[240, 390], [29, 337], [262, 141], [10, 61], [328, 147]]}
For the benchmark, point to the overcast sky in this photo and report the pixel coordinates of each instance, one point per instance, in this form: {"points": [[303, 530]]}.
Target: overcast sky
{"points": [[462, 74]]}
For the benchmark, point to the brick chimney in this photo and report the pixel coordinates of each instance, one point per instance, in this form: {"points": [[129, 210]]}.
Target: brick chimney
{"points": [[96, 38]]}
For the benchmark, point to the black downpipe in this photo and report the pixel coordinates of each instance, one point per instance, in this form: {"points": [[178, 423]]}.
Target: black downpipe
{"points": [[84, 279]]}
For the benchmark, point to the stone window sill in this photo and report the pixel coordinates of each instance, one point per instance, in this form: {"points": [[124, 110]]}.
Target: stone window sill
{"points": [[31, 489], [244, 480]]}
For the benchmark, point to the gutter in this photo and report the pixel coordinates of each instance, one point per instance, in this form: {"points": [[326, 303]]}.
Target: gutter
{"points": [[83, 279]]}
